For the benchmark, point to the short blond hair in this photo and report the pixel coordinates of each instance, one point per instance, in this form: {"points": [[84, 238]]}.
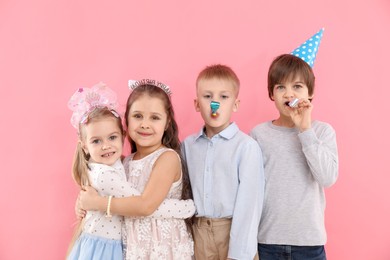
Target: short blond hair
{"points": [[219, 71]]}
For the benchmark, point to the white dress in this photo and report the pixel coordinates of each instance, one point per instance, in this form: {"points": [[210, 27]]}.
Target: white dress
{"points": [[101, 236], [149, 237]]}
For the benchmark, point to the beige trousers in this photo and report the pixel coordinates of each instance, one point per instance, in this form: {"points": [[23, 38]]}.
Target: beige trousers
{"points": [[211, 238]]}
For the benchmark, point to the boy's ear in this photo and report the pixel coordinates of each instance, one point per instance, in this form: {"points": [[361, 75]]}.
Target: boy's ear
{"points": [[196, 105], [236, 105]]}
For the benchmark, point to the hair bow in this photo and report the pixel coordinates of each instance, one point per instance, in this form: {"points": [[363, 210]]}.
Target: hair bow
{"points": [[85, 100]]}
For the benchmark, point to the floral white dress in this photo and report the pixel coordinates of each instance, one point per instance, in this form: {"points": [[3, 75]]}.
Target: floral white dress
{"points": [[150, 237]]}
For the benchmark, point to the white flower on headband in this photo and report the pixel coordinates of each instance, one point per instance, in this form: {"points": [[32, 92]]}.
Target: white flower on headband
{"points": [[85, 100], [133, 84]]}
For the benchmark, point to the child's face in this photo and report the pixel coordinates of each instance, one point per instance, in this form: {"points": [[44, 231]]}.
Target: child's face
{"points": [[221, 91], [147, 121], [103, 141], [284, 92]]}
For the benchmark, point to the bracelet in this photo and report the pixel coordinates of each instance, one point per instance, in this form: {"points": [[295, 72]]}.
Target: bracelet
{"points": [[108, 211]]}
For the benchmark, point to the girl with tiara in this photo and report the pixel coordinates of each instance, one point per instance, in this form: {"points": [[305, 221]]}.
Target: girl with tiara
{"points": [[157, 171], [97, 162]]}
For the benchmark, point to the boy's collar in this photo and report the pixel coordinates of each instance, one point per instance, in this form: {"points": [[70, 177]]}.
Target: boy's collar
{"points": [[226, 133]]}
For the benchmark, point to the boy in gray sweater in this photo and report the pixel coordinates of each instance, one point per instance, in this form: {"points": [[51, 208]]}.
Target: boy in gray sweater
{"points": [[300, 160]]}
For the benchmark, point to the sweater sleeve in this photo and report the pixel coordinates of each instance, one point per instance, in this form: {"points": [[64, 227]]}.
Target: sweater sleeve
{"points": [[320, 149]]}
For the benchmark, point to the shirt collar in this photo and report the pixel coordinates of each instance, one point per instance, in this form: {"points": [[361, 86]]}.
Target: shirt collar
{"points": [[226, 133], [117, 165]]}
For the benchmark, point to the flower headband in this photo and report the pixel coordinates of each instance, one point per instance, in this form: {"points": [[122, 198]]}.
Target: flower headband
{"points": [[133, 84], [85, 100]]}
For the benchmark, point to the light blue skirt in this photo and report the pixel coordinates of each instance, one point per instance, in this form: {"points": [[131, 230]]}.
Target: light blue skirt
{"points": [[89, 247]]}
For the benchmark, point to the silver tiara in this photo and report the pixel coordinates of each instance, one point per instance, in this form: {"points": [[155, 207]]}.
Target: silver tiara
{"points": [[133, 84]]}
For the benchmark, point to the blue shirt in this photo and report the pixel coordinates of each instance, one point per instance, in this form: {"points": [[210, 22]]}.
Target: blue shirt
{"points": [[227, 180]]}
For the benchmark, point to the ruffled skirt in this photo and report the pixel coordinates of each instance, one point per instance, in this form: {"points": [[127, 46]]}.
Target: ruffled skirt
{"points": [[89, 247]]}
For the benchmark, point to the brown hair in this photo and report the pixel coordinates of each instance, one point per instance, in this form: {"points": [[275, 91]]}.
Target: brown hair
{"points": [[287, 66], [219, 71], [170, 138]]}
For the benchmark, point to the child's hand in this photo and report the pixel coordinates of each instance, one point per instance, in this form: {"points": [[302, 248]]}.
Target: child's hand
{"points": [[80, 213], [301, 116], [89, 198]]}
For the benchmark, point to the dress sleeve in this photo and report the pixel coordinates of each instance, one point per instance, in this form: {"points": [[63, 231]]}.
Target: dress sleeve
{"points": [[174, 208], [114, 183]]}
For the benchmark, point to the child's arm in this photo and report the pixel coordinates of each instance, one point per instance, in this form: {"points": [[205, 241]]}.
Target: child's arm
{"points": [[114, 184], [169, 208], [166, 170], [320, 149], [248, 205]]}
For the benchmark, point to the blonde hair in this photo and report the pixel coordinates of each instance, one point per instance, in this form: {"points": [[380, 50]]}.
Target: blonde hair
{"points": [[221, 72], [80, 159]]}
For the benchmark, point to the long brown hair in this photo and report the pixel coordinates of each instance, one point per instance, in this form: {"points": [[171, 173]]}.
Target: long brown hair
{"points": [[80, 159], [170, 138]]}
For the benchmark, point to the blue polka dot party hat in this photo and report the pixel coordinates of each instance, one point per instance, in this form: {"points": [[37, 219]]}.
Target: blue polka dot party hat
{"points": [[308, 50]]}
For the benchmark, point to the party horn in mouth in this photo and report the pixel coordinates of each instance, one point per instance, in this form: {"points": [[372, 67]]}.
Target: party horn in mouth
{"points": [[214, 107]]}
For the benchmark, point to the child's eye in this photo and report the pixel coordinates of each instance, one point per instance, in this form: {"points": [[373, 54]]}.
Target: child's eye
{"points": [[279, 87], [207, 96], [224, 97], [155, 118], [137, 116], [95, 141], [113, 137], [298, 86]]}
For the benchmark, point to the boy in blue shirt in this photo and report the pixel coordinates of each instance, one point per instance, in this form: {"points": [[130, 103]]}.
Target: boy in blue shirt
{"points": [[226, 172]]}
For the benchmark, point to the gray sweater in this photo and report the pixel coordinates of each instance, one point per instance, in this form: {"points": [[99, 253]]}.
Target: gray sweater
{"points": [[297, 168]]}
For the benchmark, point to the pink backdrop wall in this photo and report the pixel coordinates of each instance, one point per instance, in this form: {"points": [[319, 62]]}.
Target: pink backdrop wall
{"points": [[50, 48]]}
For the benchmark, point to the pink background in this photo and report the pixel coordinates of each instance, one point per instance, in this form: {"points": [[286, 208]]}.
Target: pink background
{"points": [[50, 48]]}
